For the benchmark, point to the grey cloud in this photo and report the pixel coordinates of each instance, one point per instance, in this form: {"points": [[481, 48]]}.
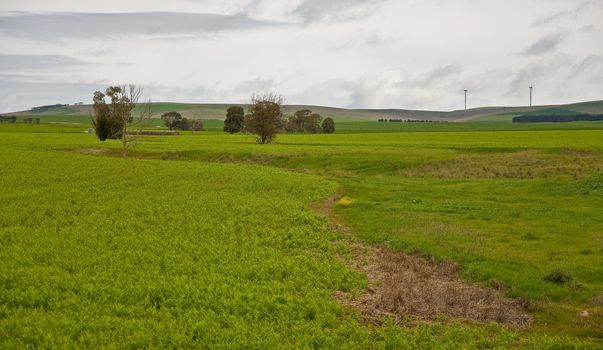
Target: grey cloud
{"points": [[546, 44], [255, 85], [587, 28], [387, 91], [249, 8], [566, 15], [36, 62], [56, 26], [442, 72], [16, 96], [538, 71], [589, 69], [553, 18], [317, 10]]}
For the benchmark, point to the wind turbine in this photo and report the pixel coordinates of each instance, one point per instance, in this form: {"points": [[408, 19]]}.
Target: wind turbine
{"points": [[465, 99]]}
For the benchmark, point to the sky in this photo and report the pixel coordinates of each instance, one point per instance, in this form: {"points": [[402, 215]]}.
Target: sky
{"points": [[410, 54]]}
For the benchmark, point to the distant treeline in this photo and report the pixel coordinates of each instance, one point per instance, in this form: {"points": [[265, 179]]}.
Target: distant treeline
{"points": [[44, 108], [557, 118], [31, 120], [13, 119], [410, 121], [8, 118]]}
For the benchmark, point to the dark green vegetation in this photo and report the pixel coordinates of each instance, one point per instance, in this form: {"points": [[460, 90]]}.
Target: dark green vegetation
{"points": [[557, 118], [208, 239]]}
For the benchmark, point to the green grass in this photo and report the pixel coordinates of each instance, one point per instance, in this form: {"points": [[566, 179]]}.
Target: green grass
{"points": [[216, 247]]}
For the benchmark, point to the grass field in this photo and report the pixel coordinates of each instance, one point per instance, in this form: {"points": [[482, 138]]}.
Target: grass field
{"points": [[208, 240]]}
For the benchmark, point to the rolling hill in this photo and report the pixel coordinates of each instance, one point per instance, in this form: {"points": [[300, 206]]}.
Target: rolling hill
{"points": [[217, 111]]}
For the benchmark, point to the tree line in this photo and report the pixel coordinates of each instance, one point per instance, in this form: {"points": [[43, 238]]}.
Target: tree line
{"points": [[265, 119], [13, 119], [557, 118], [175, 121], [113, 117]]}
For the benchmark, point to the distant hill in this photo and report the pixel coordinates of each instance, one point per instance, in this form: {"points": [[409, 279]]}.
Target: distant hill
{"points": [[217, 111]]}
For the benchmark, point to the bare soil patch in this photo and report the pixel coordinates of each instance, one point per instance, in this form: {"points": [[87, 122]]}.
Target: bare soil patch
{"points": [[95, 150], [405, 286]]}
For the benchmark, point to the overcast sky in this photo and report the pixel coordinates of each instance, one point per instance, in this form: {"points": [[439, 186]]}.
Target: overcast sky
{"points": [[415, 54]]}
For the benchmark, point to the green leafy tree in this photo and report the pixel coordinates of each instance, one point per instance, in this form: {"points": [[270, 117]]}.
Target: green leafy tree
{"points": [[328, 126], [299, 119], [113, 120], [235, 116], [312, 123], [105, 126], [265, 118], [172, 120]]}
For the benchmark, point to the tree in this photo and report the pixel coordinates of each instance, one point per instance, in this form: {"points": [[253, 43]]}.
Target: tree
{"points": [[196, 125], [265, 118], [235, 116], [185, 124], [299, 120], [312, 123], [104, 124], [328, 126], [172, 120], [113, 120], [304, 120]]}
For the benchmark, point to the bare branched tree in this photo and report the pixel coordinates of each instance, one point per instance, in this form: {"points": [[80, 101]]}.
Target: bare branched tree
{"points": [[265, 118]]}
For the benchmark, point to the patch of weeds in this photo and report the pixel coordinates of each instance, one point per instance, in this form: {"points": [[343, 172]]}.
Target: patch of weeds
{"points": [[530, 237], [558, 277]]}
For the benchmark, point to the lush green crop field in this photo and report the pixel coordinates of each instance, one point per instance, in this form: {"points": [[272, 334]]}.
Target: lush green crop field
{"points": [[207, 240]]}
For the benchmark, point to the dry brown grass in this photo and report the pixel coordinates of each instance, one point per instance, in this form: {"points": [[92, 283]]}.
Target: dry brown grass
{"points": [[522, 165], [96, 150], [406, 286]]}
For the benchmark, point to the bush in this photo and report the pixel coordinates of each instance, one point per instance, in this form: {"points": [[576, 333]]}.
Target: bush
{"points": [[172, 120], [328, 126], [558, 277], [234, 119], [196, 125]]}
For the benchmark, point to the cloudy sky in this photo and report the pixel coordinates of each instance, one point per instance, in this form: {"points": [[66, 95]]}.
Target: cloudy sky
{"points": [[417, 54]]}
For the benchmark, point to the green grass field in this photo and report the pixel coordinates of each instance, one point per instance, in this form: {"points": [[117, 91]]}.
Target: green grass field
{"points": [[208, 239]]}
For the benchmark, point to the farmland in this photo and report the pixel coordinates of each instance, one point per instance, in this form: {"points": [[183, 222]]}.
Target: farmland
{"points": [[211, 240], [212, 111]]}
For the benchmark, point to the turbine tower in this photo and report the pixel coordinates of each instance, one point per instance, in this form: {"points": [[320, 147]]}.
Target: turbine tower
{"points": [[531, 87], [465, 99]]}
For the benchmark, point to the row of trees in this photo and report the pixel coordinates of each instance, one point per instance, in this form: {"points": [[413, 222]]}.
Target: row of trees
{"points": [[113, 119], [8, 119], [13, 119], [175, 121], [265, 119]]}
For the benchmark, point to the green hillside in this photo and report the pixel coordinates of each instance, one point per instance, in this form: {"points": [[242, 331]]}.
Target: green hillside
{"points": [[218, 111]]}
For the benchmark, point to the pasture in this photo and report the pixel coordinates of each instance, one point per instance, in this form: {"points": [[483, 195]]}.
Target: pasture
{"points": [[211, 240]]}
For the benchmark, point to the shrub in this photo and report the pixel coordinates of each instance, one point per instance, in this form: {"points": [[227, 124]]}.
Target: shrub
{"points": [[558, 277], [172, 120], [234, 119], [328, 126]]}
